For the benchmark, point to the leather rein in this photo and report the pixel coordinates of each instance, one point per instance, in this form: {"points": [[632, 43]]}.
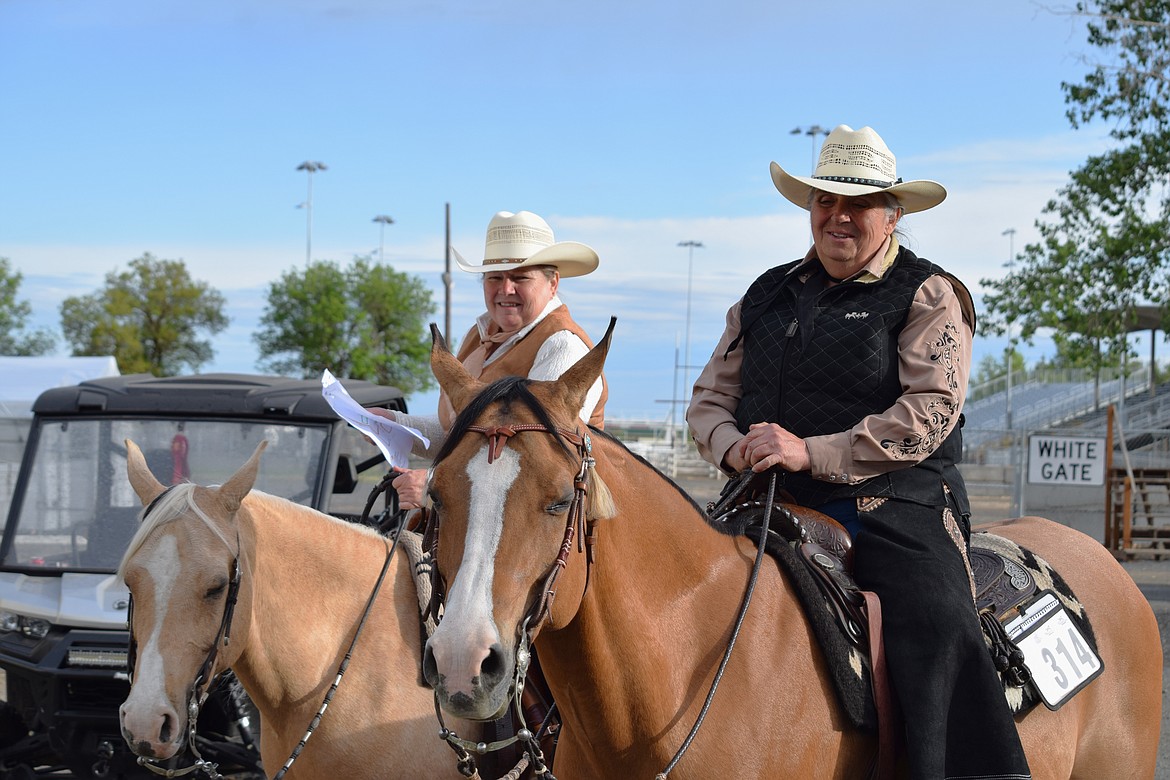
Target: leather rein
{"points": [[579, 525]]}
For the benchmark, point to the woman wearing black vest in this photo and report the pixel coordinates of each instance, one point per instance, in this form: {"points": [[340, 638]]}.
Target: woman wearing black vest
{"points": [[845, 372]]}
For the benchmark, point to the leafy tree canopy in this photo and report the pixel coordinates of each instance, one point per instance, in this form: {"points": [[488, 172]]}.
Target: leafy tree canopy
{"points": [[148, 317], [364, 322], [1104, 244], [14, 314]]}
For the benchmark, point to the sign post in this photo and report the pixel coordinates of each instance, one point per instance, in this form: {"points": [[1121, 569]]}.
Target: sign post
{"points": [[1066, 460]]}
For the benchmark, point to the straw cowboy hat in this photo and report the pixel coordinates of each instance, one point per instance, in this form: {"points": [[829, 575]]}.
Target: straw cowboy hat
{"points": [[858, 162], [524, 239]]}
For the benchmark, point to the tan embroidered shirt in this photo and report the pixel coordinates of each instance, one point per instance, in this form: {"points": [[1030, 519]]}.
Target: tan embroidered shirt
{"points": [[856, 452]]}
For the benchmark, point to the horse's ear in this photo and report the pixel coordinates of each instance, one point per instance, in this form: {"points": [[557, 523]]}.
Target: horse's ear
{"points": [[574, 384], [454, 380], [145, 484], [232, 492]]}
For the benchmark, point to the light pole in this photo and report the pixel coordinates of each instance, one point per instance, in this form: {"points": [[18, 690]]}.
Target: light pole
{"points": [[311, 167], [691, 246], [382, 221], [1011, 234], [812, 131]]}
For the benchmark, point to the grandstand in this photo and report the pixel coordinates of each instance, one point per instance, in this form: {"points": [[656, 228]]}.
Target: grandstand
{"points": [[1055, 403], [1134, 503]]}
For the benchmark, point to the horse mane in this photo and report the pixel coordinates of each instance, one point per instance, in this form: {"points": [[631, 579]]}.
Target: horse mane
{"points": [[506, 390], [513, 389], [171, 504], [620, 444]]}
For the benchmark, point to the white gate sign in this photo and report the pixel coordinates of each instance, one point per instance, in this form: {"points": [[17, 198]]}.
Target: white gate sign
{"points": [[1064, 460]]}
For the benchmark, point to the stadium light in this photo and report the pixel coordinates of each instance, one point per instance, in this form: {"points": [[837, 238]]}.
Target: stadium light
{"points": [[311, 167]]}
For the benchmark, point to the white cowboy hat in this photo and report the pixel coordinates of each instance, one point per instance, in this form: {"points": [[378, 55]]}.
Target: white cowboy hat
{"points": [[524, 239], [858, 162]]}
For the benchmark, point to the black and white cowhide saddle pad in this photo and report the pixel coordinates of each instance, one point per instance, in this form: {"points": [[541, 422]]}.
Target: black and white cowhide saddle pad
{"points": [[1000, 566]]}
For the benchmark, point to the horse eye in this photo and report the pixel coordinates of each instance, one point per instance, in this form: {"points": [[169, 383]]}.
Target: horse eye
{"points": [[215, 590], [559, 507], [434, 500]]}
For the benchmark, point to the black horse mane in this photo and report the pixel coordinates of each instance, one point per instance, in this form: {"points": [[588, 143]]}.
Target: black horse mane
{"points": [[514, 389], [506, 390]]}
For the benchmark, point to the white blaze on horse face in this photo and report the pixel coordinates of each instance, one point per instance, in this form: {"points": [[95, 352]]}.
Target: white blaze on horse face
{"points": [[163, 568], [469, 604]]}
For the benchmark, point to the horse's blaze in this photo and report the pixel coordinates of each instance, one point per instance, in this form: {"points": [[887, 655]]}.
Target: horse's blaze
{"points": [[149, 718], [471, 665]]}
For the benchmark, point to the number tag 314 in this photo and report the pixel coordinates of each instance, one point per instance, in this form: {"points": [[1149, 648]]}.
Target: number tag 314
{"points": [[1056, 653]]}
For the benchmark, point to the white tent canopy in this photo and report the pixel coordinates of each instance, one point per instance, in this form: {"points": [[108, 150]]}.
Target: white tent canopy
{"points": [[22, 379]]}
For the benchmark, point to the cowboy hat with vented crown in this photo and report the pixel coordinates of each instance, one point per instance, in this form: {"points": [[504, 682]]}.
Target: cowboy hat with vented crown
{"points": [[524, 239], [858, 162]]}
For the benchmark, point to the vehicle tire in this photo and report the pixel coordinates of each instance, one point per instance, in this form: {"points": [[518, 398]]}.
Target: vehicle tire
{"points": [[21, 772], [12, 725]]}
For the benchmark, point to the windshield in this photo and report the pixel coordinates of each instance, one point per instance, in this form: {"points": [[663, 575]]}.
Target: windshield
{"points": [[79, 510]]}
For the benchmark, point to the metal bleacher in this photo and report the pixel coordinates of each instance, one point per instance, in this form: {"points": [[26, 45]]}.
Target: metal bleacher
{"points": [[1137, 488]]}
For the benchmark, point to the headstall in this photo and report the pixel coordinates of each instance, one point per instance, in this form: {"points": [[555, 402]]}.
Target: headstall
{"points": [[204, 681], [577, 524], [196, 699]]}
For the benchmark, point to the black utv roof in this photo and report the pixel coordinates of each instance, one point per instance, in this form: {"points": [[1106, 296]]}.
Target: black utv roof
{"points": [[210, 395]]}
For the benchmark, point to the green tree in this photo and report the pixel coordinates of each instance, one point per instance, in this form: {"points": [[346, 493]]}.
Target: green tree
{"points": [[365, 322], [1104, 244], [148, 317], [14, 314]]}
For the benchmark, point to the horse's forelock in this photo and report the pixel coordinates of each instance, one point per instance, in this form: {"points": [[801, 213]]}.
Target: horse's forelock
{"points": [[168, 507], [506, 390]]}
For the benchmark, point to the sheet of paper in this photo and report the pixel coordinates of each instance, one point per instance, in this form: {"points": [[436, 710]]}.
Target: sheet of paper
{"points": [[393, 439]]}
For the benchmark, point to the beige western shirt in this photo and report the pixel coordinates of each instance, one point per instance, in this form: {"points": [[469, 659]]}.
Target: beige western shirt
{"points": [[932, 367]]}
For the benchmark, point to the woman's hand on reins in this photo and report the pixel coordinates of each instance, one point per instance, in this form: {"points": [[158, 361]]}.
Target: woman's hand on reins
{"points": [[411, 486], [767, 445]]}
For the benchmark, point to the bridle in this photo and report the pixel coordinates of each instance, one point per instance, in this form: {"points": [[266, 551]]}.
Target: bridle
{"points": [[579, 524], [196, 699], [204, 679]]}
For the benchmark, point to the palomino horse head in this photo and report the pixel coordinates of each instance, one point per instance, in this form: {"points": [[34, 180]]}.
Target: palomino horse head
{"points": [[183, 571], [513, 483]]}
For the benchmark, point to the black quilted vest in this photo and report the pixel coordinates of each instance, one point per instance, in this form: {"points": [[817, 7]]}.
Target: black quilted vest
{"points": [[823, 372]]}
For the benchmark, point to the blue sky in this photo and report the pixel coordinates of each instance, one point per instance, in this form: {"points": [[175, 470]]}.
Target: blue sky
{"points": [[176, 129]]}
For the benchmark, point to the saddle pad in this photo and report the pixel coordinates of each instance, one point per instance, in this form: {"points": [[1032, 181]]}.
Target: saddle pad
{"points": [[420, 568], [1023, 699], [849, 667]]}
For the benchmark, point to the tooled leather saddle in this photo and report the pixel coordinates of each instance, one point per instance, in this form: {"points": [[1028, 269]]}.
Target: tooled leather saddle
{"points": [[823, 547]]}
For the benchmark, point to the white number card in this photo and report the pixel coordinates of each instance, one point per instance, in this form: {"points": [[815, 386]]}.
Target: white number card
{"points": [[1056, 653]]}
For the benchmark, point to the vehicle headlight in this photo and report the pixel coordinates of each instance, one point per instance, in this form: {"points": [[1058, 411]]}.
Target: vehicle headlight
{"points": [[35, 628], [9, 621]]}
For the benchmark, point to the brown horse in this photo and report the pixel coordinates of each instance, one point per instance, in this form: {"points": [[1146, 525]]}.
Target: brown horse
{"points": [[304, 582], [640, 619]]}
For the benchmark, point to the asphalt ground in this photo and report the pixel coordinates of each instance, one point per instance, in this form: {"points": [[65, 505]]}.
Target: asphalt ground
{"points": [[1153, 579]]}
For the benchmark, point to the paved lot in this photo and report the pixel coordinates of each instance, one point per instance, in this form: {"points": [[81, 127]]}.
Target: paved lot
{"points": [[1153, 578]]}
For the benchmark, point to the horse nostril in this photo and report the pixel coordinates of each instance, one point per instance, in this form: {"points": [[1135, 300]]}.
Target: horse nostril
{"points": [[164, 733], [430, 669], [493, 665]]}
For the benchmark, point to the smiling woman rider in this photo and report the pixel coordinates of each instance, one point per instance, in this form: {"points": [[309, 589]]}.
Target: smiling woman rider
{"points": [[526, 331]]}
